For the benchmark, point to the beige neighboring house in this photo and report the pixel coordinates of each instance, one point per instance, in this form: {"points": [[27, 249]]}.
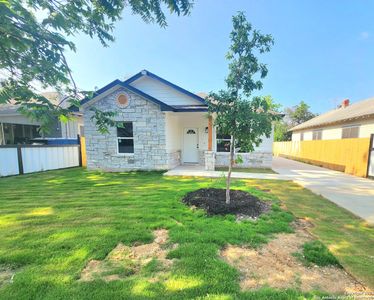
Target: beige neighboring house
{"points": [[16, 128], [346, 121]]}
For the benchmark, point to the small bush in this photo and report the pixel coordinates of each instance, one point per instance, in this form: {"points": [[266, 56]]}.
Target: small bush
{"points": [[315, 252]]}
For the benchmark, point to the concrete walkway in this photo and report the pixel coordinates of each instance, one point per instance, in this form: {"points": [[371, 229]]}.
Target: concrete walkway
{"points": [[199, 171], [353, 193]]}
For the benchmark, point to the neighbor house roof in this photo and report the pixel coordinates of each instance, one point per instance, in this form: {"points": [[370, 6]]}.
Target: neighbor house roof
{"points": [[11, 108], [360, 110], [164, 107]]}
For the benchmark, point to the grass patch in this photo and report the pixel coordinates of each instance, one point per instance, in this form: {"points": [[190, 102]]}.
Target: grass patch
{"points": [[247, 170], [349, 238], [314, 252], [53, 223]]}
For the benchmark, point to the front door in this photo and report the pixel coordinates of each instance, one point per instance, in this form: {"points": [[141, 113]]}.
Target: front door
{"points": [[190, 145]]}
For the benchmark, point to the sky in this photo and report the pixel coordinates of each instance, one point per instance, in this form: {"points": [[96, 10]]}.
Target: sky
{"points": [[323, 51]]}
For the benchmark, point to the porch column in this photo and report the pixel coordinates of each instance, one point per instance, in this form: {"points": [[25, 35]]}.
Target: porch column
{"points": [[210, 133], [210, 156]]}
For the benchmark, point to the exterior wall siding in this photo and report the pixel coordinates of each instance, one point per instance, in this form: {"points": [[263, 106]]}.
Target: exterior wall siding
{"points": [[250, 160], [335, 132], [162, 91], [149, 136]]}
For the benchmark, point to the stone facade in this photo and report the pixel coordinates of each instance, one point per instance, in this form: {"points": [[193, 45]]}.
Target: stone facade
{"points": [[173, 159], [148, 130], [255, 159], [210, 159]]}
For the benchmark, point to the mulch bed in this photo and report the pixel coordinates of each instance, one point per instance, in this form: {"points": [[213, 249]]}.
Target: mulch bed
{"points": [[213, 201]]}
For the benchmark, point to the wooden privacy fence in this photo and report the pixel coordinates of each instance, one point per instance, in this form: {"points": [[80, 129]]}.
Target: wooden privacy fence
{"points": [[346, 155], [83, 151], [20, 159]]}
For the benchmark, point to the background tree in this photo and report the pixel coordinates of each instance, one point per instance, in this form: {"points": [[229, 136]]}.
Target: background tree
{"points": [[299, 114], [246, 121], [34, 35], [293, 116], [281, 131]]}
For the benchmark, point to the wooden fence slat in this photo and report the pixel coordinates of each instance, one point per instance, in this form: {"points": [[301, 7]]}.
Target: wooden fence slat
{"points": [[347, 155]]}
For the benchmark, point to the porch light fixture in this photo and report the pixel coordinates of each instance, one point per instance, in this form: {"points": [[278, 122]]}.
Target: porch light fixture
{"points": [[206, 129]]}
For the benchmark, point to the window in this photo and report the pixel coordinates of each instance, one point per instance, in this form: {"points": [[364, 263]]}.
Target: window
{"points": [[317, 135], [301, 136], [350, 132], [125, 138], [19, 133], [223, 143]]}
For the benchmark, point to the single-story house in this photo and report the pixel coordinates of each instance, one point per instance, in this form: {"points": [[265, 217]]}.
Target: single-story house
{"points": [[346, 121], [165, 126], [16, 128]]}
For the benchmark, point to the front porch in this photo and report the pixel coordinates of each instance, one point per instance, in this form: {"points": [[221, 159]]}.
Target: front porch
{"points": [[189, 140]]}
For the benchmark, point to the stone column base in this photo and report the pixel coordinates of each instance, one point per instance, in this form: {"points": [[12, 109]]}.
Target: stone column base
{"points": [[210, 160]]}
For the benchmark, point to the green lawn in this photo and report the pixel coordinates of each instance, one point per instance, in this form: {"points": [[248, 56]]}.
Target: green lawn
{"points": [[247, 170], [53, 223]]}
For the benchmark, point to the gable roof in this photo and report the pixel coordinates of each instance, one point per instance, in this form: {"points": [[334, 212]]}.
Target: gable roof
{"points": [[164, 107], [164, 81], [360, 110]]}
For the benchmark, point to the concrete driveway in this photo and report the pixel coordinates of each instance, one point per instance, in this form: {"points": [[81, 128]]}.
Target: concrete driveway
{"points": [[353, 193]]}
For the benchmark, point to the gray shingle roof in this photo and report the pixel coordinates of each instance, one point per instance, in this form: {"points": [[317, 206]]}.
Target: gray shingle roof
{"points": [[360, 110]]}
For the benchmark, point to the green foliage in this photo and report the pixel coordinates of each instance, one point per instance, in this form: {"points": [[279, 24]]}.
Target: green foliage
{"points": [[294, 116], [247, 120], [299, 114], [53, 223], [315, 252], [246, 44], [35, 34], [349, 237], [281, 132], [104, 119]]}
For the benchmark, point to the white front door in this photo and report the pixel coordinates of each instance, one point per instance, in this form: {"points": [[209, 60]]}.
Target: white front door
{"points": [[190, 145]]}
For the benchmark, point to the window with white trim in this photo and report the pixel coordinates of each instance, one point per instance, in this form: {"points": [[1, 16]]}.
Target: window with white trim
{"points": [[317, 135], [125, 138], [350, 132], [223, 142]]}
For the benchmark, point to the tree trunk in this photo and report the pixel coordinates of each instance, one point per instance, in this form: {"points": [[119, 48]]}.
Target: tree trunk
{"points": [[231, 163]]}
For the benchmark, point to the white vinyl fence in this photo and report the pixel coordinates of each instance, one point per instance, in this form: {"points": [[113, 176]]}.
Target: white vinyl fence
{"points": [[15, 160]]}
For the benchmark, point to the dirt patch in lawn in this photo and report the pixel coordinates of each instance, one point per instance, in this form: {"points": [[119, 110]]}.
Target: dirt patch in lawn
{"points": [[6, 275], [275, 265], [124, 261], [213, 201]]}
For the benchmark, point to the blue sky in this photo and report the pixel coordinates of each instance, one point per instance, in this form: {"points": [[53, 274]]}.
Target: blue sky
{"points": [[323, 52]]}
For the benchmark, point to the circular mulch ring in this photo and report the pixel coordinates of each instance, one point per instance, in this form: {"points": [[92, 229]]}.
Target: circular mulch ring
{"points": [[213, 201]]}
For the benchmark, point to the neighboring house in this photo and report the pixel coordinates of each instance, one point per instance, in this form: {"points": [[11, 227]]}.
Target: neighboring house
{"points": [[347, 121], [15, 128], [165, 126]]}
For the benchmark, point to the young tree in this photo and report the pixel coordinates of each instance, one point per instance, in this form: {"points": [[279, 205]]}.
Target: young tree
{"points": [[246, 121], [34, 35]]}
